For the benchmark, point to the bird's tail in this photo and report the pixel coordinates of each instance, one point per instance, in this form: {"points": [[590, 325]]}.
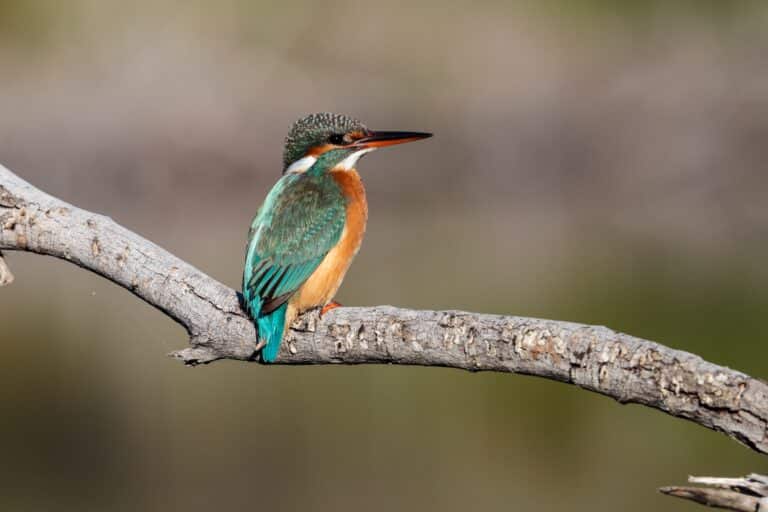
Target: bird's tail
{"points": [[271, 327]]}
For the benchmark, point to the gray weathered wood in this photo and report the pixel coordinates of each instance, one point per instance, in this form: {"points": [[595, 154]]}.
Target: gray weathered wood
{"points": [[748, 494], [6, 276], [599, 359]]}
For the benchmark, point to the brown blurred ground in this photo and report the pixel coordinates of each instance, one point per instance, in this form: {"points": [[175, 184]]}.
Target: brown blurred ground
{"points": [[597, 162]]}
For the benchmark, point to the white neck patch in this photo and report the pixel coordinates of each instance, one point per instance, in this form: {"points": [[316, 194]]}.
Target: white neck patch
{"points": [[349, 162], [301, 165]]}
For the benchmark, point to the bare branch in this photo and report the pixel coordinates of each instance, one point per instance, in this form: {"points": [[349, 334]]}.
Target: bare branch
{"points": [[628, 369], [748, 494]]}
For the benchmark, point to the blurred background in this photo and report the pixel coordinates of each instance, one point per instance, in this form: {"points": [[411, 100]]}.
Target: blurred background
{"points": [[595, 161]]}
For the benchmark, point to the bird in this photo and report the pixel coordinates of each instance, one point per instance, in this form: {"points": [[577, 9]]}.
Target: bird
{"points": [[311, 225]]}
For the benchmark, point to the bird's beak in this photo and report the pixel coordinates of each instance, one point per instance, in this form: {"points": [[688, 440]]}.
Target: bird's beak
{"points": [[380, 139]]}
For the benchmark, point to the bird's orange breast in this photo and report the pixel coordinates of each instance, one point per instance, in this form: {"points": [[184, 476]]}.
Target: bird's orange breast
{"points": [[324, 282]]}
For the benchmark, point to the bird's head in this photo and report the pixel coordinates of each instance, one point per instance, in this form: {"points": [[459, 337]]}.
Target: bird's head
{"points": [[326, 141]]}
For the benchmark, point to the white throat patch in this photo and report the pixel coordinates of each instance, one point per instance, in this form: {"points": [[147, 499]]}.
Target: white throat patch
{"points": [[349, 162], [303, 164]]}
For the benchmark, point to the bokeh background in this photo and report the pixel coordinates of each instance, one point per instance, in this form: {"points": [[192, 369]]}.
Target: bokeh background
{"points": [[594, 161]]}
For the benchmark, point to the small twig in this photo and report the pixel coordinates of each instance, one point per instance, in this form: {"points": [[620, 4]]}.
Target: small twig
{"points": [[6, 276], [754, 484], [748, 494]]}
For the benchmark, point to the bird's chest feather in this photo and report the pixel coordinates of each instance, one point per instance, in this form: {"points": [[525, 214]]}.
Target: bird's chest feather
{"points": [[320, 288]]}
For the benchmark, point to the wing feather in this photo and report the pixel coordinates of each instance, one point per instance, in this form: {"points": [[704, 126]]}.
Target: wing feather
{"points": [[301, 220]]}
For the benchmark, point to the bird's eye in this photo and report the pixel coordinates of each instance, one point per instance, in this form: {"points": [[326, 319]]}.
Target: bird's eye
{"points": [[337, 139]]}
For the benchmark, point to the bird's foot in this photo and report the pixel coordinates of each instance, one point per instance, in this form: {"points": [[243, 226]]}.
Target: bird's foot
{"points": [[331, 305], [260, 345]]}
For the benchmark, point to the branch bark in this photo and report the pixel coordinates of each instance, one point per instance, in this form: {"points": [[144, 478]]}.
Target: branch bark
{"points": [[626, 368]]}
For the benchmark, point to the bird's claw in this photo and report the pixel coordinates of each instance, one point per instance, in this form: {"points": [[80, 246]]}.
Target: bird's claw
{"points": [[331, 305]]}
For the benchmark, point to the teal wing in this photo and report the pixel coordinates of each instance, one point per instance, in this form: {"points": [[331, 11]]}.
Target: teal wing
{"points": [[301, 220]]}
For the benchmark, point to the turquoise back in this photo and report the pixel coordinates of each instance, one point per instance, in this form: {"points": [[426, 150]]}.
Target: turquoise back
{"points": [[301, 220]]}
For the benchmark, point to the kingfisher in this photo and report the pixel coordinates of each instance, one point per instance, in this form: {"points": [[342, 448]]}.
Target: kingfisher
{"points": [[311, 223]]}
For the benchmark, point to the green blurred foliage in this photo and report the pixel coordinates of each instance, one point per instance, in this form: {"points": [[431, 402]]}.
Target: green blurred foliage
{"points": [[25, 22], [643, 12]]}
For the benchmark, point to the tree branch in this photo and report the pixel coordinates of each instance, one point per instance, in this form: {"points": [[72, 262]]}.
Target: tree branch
{"points": [[628, 369]]}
